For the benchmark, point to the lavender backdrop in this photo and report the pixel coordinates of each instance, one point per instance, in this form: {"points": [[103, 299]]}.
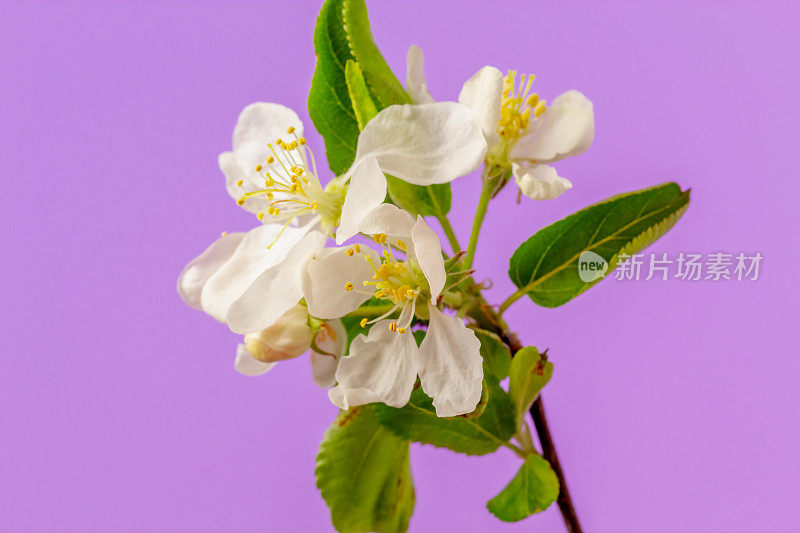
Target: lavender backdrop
{"points": [[674, 404]]}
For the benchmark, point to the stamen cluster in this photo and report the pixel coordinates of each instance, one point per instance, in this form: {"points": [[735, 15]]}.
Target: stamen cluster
{"points": [[517, 105], [399, 281]]}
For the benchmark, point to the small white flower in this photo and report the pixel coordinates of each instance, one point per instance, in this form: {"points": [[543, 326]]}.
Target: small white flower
{"points": [[383, 366], [249, 280], [289, 337], [523, 133]]}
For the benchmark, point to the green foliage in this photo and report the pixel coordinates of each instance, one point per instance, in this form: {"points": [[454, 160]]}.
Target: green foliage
{"points": [[546, 265], [342, 34], [495, 353], [529, 373], [532, 490], [383, 84], [363, 106], [430, 200], [364, 476], [417, 421], [328, 99], [351, 83]]}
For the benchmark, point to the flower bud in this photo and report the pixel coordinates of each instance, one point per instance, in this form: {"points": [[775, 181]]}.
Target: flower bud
{"points": [[290, 336]]}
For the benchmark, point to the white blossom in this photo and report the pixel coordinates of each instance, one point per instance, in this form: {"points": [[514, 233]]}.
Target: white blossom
{"points": [[523, 133], [408, 273], [249, 280]]}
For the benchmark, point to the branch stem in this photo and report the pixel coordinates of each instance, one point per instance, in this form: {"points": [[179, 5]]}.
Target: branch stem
{"points": [[487, 318], [565, 505]]}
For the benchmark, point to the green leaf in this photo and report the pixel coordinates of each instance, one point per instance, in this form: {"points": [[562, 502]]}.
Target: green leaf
{"points": [[328, 99], [529, 373], [495, 353], [382, 82], [433, 200], [546, 265], [429, 200], [417, 421], [363, 106], [532, 490], [364, 476], [342, 34], [351, 83]]}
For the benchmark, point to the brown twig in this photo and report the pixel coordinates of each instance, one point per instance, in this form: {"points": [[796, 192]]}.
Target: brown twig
{"points": [[568, 512]]}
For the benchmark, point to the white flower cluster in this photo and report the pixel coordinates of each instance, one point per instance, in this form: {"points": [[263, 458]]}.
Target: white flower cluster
{"points": [[285, 288]]}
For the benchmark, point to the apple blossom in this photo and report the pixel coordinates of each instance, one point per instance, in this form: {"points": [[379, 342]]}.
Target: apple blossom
{"points": [[383, 365], [235, 280], [523, 133]]}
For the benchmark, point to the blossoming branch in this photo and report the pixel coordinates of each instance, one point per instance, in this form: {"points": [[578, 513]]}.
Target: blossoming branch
{"points": [[343, 263]]}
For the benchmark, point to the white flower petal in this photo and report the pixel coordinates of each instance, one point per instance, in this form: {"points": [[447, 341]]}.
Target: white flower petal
{"points": [[250, 260], [381, 367], [428, 252], [332, 338], [326, 276], [248, 365], [264, 122], [366, 190], [566, 129], [201, 268], [276, 290], [540, 182], [251, 181], [424, 144], [483, 93], [416, 84], [388, 219], [451, 368], [323, 369]]}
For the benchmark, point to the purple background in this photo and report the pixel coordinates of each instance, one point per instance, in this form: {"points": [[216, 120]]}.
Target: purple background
{"points": [[674, 404]]}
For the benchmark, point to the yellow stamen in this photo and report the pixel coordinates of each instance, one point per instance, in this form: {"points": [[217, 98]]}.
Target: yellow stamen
{"points": [[290, 130], [348, 286], [363, 322], [517, 105], [260, 215]]}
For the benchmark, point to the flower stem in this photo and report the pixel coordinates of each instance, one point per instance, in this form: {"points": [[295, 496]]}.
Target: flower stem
{"points": [[511, 299], [480, 213], [448, 231]]}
